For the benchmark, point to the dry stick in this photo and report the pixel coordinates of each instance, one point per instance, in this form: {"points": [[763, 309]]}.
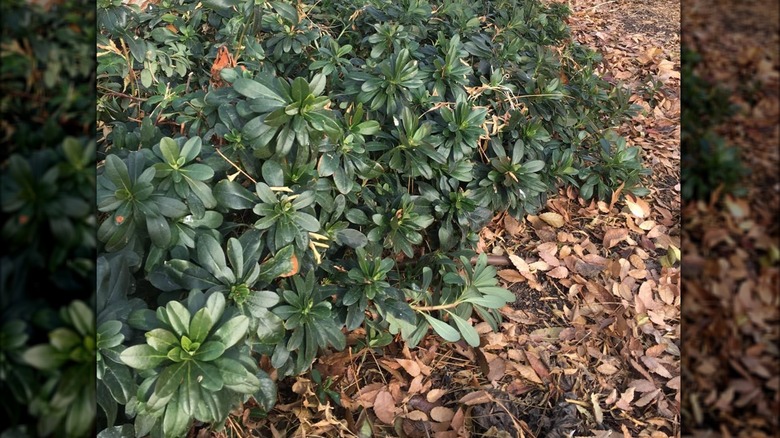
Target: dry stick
{"points": [[234, 165]]}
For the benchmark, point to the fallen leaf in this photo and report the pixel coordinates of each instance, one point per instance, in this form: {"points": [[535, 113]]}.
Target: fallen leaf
{"points": [[511, 275], [647, 398], [597, 412], [547, 333], [559, 272], [417, 415], [519, 263], [368, 393], [223, 60], [497, 368], [384, 407], [410, 366], [512, 225], [476, 398], [607, 369], [613, 236], [527, 373], [435, 394], [553, 219], [442, 414], [637, 206], [625, 399]]}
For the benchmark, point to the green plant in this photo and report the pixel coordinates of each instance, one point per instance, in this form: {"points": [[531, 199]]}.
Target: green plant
{"points": [[47, 185], [66, 401], [335, 178], [323, 388], [709, 162], [198, 366]]}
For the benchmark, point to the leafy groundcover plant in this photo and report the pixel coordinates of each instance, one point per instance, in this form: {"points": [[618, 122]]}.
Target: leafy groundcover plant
{"points": [[275, 175], [47, 188]]}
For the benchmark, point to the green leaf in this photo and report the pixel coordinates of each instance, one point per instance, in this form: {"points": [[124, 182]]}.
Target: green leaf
{"points": [[161, 340], [488, 301], [232, 331], [499, 292], [287, 11], [200, 325], [328, 164], [44, 357], [122, 431], [533, 166], [273, 174], [446, 331], [170, 379], [64, 339], [351, 238], [159, 230], [255, 90], [119, 381], [276, 266], [209, 351], [235, 254], [261, 300], [189, 396], [236, 377], [203, 192], [176, 421], [170, 150], [307, 222], [81, 413], [208, 375], [343, 180], [233, 195], [142, 357], [178, 316], [116, 171], [146, 78], [212, 258], [270, 328], [221, 5], [468, 331], [266, 395]]}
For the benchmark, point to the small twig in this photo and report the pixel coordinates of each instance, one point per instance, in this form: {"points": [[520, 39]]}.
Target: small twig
{"points": [[235, 165], [117, 93], [439, 307]]}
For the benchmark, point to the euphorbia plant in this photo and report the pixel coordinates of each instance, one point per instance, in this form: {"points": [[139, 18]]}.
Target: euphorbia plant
{"points": [[198, 368], [355, 150]]}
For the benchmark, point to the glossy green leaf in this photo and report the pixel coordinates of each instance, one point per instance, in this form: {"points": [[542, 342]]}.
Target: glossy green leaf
{"points": [[446, 331], [161, 340], [233, 195], [232, 331], [170, 378], [179, 317], [209, 351], [142, 357], [200, 325]]}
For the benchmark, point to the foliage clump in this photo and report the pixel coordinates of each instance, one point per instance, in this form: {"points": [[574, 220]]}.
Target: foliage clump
{"points": [[47, 188], [332, 172], [709, 163]]}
